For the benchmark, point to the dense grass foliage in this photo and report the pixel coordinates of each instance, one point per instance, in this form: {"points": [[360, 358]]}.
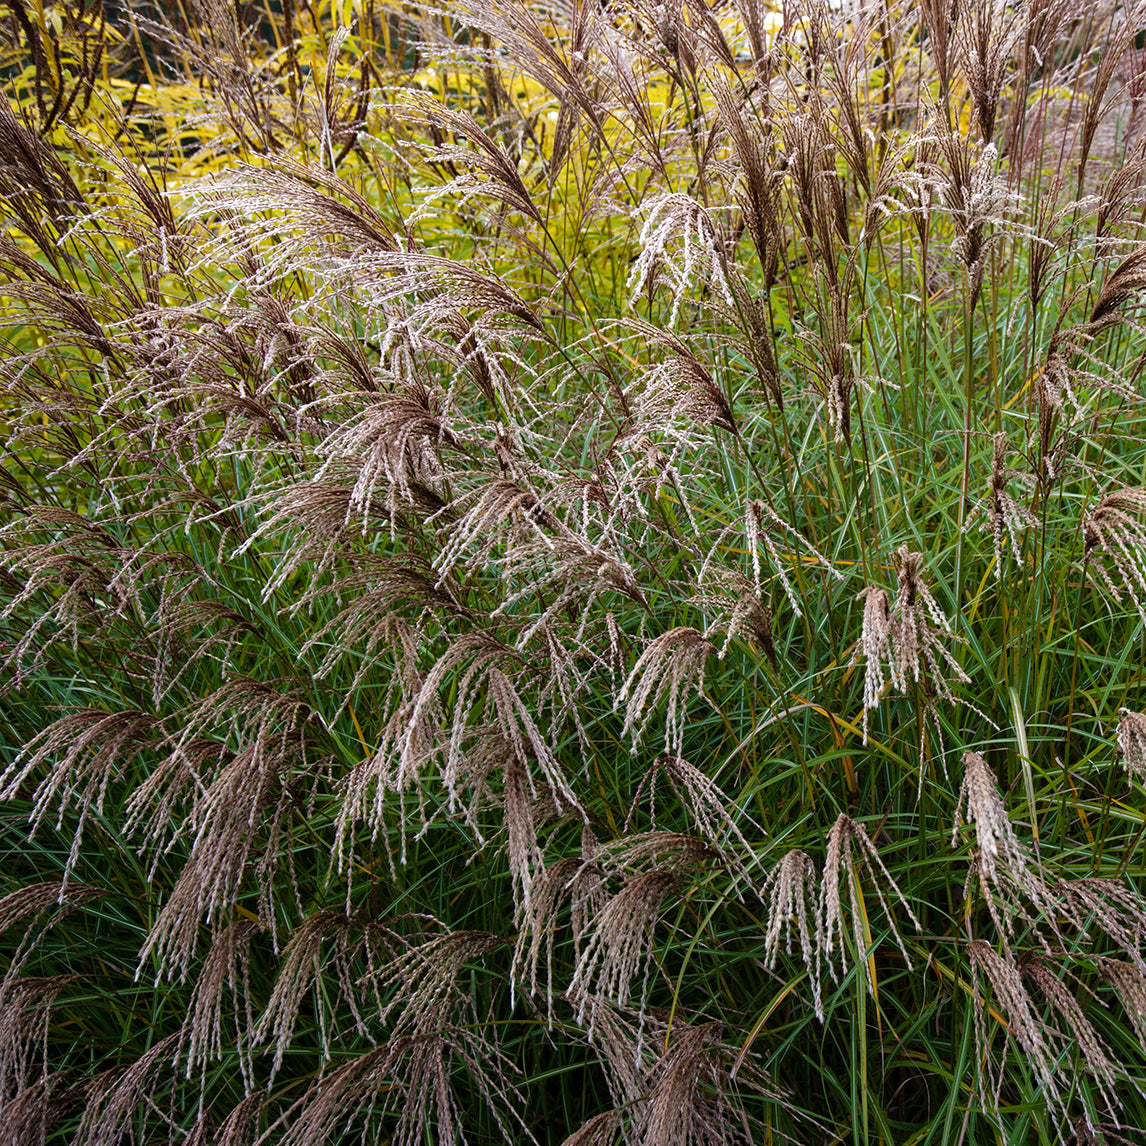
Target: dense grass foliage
{"points": [[573, 573]]}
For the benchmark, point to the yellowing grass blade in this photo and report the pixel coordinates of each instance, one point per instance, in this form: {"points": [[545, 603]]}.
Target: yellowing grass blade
{"points": [[1025, 761]]}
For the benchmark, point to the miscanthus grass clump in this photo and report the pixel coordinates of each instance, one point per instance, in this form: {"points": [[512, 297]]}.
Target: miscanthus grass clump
{"points": [[573, 573]]}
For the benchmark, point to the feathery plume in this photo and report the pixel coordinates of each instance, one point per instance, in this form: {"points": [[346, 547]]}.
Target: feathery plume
{"points": [[91, 746], [1001, 862], [621, 943], [1132, 741], [1116, 910], [300, 971], [1003, 514], [1115, 531], [227, 966], [1129, 983], [523, 809], [842, 862], [572, 880], [875, 647], [25, 1012], [907, 638], [502, 179], [1094, 1052], [115, 1099], [1035, 1038], [979, 795], [600, 1130], [34, 898], [27, 1117], [790, 892], [673, 219], [410, 1076], [247, 803], [672, 663], [392, 441], [987, 35], [705, 804], [677, 1110], [1125, 284], [760, 522], [680, 386], [975, 196], [423, 980], [760, 181], [739, 610]]}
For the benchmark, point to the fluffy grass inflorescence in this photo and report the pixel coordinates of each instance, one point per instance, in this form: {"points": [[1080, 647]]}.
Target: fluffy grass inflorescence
{"points": [[493, 645]]}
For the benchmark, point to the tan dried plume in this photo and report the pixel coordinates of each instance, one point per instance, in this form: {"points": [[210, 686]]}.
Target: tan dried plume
{"points": [[321, 940], [849, 848], [1132, 741], [1036, 1039], [86, 749], [372, 626], [304, 209], [34, 181], [686, 1092], [671, 664], [1111, 907], [27, 1118], [680, 386], [415, 736], [1106, 1074], [392, 442], [576, 570], [979, 796], [116, 1097], [620, 945], [73, 568], [525, 806], [226, 967], [1129, 983], [418, 734], [987, 36], [1003, 515], [497, 511], [622, 1037], [245, 804], [600, 1130], [573, 881], [679, 240], [739, 610], [37, 907], [1114, 532], [761, 522], [706, 805], [760, 176], [790, 890], [423, 980], [975, 195], [875, 647], [412, 1076], [25, 1011], [500, 177], [1002, 864], [940, 19], [1120, 39], [905, 642], [828, 355], [1124, 285]]}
